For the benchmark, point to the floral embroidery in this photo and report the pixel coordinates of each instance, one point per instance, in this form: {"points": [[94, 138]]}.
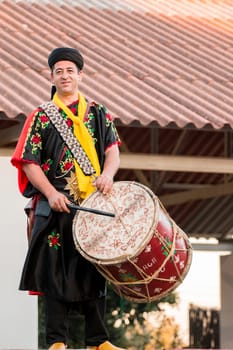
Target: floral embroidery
{"points": [[47, 165], [36, 143], [67, 163], [69, 122], [87, 122], [53, 240], [44, 120], [108, 119]]}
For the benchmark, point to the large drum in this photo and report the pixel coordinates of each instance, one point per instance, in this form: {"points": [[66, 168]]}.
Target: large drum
{"points": [[140, 251]]}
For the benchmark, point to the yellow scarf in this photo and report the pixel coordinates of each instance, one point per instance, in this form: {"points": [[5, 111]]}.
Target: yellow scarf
{"points": [[86, 141]]}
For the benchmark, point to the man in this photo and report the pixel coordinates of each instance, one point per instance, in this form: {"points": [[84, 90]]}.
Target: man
{"points": [[54, 172]]}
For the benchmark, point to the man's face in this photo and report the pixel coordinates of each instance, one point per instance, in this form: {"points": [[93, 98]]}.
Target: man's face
{"points": [[66, 77]]}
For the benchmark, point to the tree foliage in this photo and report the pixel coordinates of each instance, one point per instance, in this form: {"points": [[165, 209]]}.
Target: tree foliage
{"points": [[130, 326]]}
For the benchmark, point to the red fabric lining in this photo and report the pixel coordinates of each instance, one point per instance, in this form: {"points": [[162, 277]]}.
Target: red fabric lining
{"points": [[31, 292], [112, 144], [16, 159]]}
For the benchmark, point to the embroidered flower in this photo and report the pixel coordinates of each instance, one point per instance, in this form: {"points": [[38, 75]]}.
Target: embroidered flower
{"points": [[36, 142], [67, 165], [47, 165], [53, 240], [88, 124], [88, 118], [67, 162], [69, 122], [36, 139], [108, 117], [44, 119]]}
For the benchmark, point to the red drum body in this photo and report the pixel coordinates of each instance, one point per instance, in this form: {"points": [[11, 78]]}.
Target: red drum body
{"points": [[141, 251]]}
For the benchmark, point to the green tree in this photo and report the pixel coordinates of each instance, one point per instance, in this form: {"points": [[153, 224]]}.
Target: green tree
{"points": [[127, 320]]}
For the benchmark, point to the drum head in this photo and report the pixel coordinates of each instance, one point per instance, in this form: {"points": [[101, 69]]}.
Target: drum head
{"points": [[115, 239]]}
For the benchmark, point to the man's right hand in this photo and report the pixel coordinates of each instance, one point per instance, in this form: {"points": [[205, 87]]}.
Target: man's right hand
{"points": [[36, 176], [58, 202]]}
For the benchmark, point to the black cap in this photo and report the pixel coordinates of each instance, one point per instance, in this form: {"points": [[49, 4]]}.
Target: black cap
{"points": [[66, 54]]}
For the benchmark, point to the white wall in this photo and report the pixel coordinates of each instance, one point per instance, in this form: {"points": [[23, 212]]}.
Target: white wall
{"points": [[18, 310]]}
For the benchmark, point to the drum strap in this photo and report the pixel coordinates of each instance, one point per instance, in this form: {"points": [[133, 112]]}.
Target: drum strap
{"points": [[68, 137]]}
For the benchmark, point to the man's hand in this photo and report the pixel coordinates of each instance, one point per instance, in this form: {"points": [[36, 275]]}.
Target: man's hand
{"points": [[58, 202], [36, 176], [103, 183]]}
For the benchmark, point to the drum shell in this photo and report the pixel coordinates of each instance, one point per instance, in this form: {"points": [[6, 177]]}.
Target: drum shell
{"points": [[157, 265]]}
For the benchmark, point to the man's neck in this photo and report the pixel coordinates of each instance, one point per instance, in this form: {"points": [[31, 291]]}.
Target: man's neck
{"points": [[67, 100]]}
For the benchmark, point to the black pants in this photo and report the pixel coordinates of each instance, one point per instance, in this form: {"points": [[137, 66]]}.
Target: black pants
{"points": [[57, 311]]}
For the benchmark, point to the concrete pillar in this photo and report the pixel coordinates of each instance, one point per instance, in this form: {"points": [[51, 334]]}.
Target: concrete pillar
{"points": [[226, 314], [18, 316]]}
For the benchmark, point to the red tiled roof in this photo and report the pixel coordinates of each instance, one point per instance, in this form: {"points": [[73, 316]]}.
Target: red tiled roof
{"points": [[147, 61]]}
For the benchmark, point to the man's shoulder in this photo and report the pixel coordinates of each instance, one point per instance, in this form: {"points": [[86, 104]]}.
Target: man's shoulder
{"points": [[39, 108], [34, 113], [96, 106]]}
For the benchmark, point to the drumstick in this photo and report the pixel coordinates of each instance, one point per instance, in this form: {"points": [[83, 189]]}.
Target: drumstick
{"points": [[90, 210]]}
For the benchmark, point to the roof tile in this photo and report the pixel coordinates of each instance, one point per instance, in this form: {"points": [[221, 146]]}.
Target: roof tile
{"points": [[148, 62]]}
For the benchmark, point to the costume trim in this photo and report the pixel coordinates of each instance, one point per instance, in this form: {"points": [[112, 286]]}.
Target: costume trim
{"points": [[75, 147]]}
